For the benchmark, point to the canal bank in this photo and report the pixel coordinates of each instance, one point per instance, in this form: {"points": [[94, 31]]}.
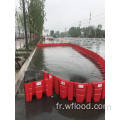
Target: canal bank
{"points": [[20, 75]]}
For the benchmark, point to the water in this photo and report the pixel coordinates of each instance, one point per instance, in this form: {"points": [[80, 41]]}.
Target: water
{"points": [[95, 44], [68, 64], [65, 63]]}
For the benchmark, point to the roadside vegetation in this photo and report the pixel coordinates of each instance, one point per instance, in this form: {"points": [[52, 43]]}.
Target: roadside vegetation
{"points": [[86, 32], [35, 17]]}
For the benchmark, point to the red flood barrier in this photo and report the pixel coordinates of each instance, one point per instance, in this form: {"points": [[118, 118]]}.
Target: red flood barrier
{"points": [[70, 90], [80, 91], [28, 92], [103, 91], [98, 88], [39, 89], [56, 85], [49, 85], [89, 92], [67, 89], [63, 88]]}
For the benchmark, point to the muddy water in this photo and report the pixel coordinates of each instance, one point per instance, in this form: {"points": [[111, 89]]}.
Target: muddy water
{"points": [[67, 63], [95, 44]]}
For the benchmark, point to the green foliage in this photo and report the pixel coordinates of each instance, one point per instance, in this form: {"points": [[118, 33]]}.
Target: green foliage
{"points": [[23, 49], [75, 31], [90, 32], [25, 55], [35, 16], [52, 33], [62, 34]]}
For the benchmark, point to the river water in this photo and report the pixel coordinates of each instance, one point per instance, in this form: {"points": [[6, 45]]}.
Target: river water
{"points": [[68, 64]]}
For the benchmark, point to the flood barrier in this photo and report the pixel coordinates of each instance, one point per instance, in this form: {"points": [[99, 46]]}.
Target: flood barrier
{"points": [[68, 89]]}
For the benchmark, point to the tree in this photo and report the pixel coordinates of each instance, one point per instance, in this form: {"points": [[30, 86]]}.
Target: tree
{"points": [[74, 31], [99, 27], [35, 16], [19, 21], [99, 32], [90, 31], [52, 33]]}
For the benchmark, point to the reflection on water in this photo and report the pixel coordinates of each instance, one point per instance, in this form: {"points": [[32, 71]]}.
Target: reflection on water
{"points": [[95, 44], [68, 64], [65, 63], [46, 108]]}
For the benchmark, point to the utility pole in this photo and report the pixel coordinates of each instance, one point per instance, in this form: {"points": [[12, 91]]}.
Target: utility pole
{"points": [[65, 31], [26, 39], [80, 27], [90, 19], [80, 24], [89, 24]]}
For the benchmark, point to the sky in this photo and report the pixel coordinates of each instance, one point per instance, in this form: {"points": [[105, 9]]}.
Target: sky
{"points": [[63, 14]]}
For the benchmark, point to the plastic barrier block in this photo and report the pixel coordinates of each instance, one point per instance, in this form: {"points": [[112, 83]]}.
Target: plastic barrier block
{"points": [[28, 97], [39, 89], [33, 88], [74, 89], [80, 98], [49, 86], [53, 82], [39, 95], [45, 75], [89, 92], [81, 89], [63, 94], [28, 91], [97, 91], [49, 92], [63, 88], [70, 91], [103, 90], [57, 85], [28, 87], [97, 98]]}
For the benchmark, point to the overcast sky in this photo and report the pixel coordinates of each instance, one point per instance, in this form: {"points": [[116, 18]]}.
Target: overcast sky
{"points": [[63, 14]]}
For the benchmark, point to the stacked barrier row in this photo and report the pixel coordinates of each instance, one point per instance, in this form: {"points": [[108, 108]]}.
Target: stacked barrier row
{"points": [[67, 89]]}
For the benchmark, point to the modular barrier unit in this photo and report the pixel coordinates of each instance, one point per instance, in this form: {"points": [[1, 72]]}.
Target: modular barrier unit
{"points": [[67, 89]]}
